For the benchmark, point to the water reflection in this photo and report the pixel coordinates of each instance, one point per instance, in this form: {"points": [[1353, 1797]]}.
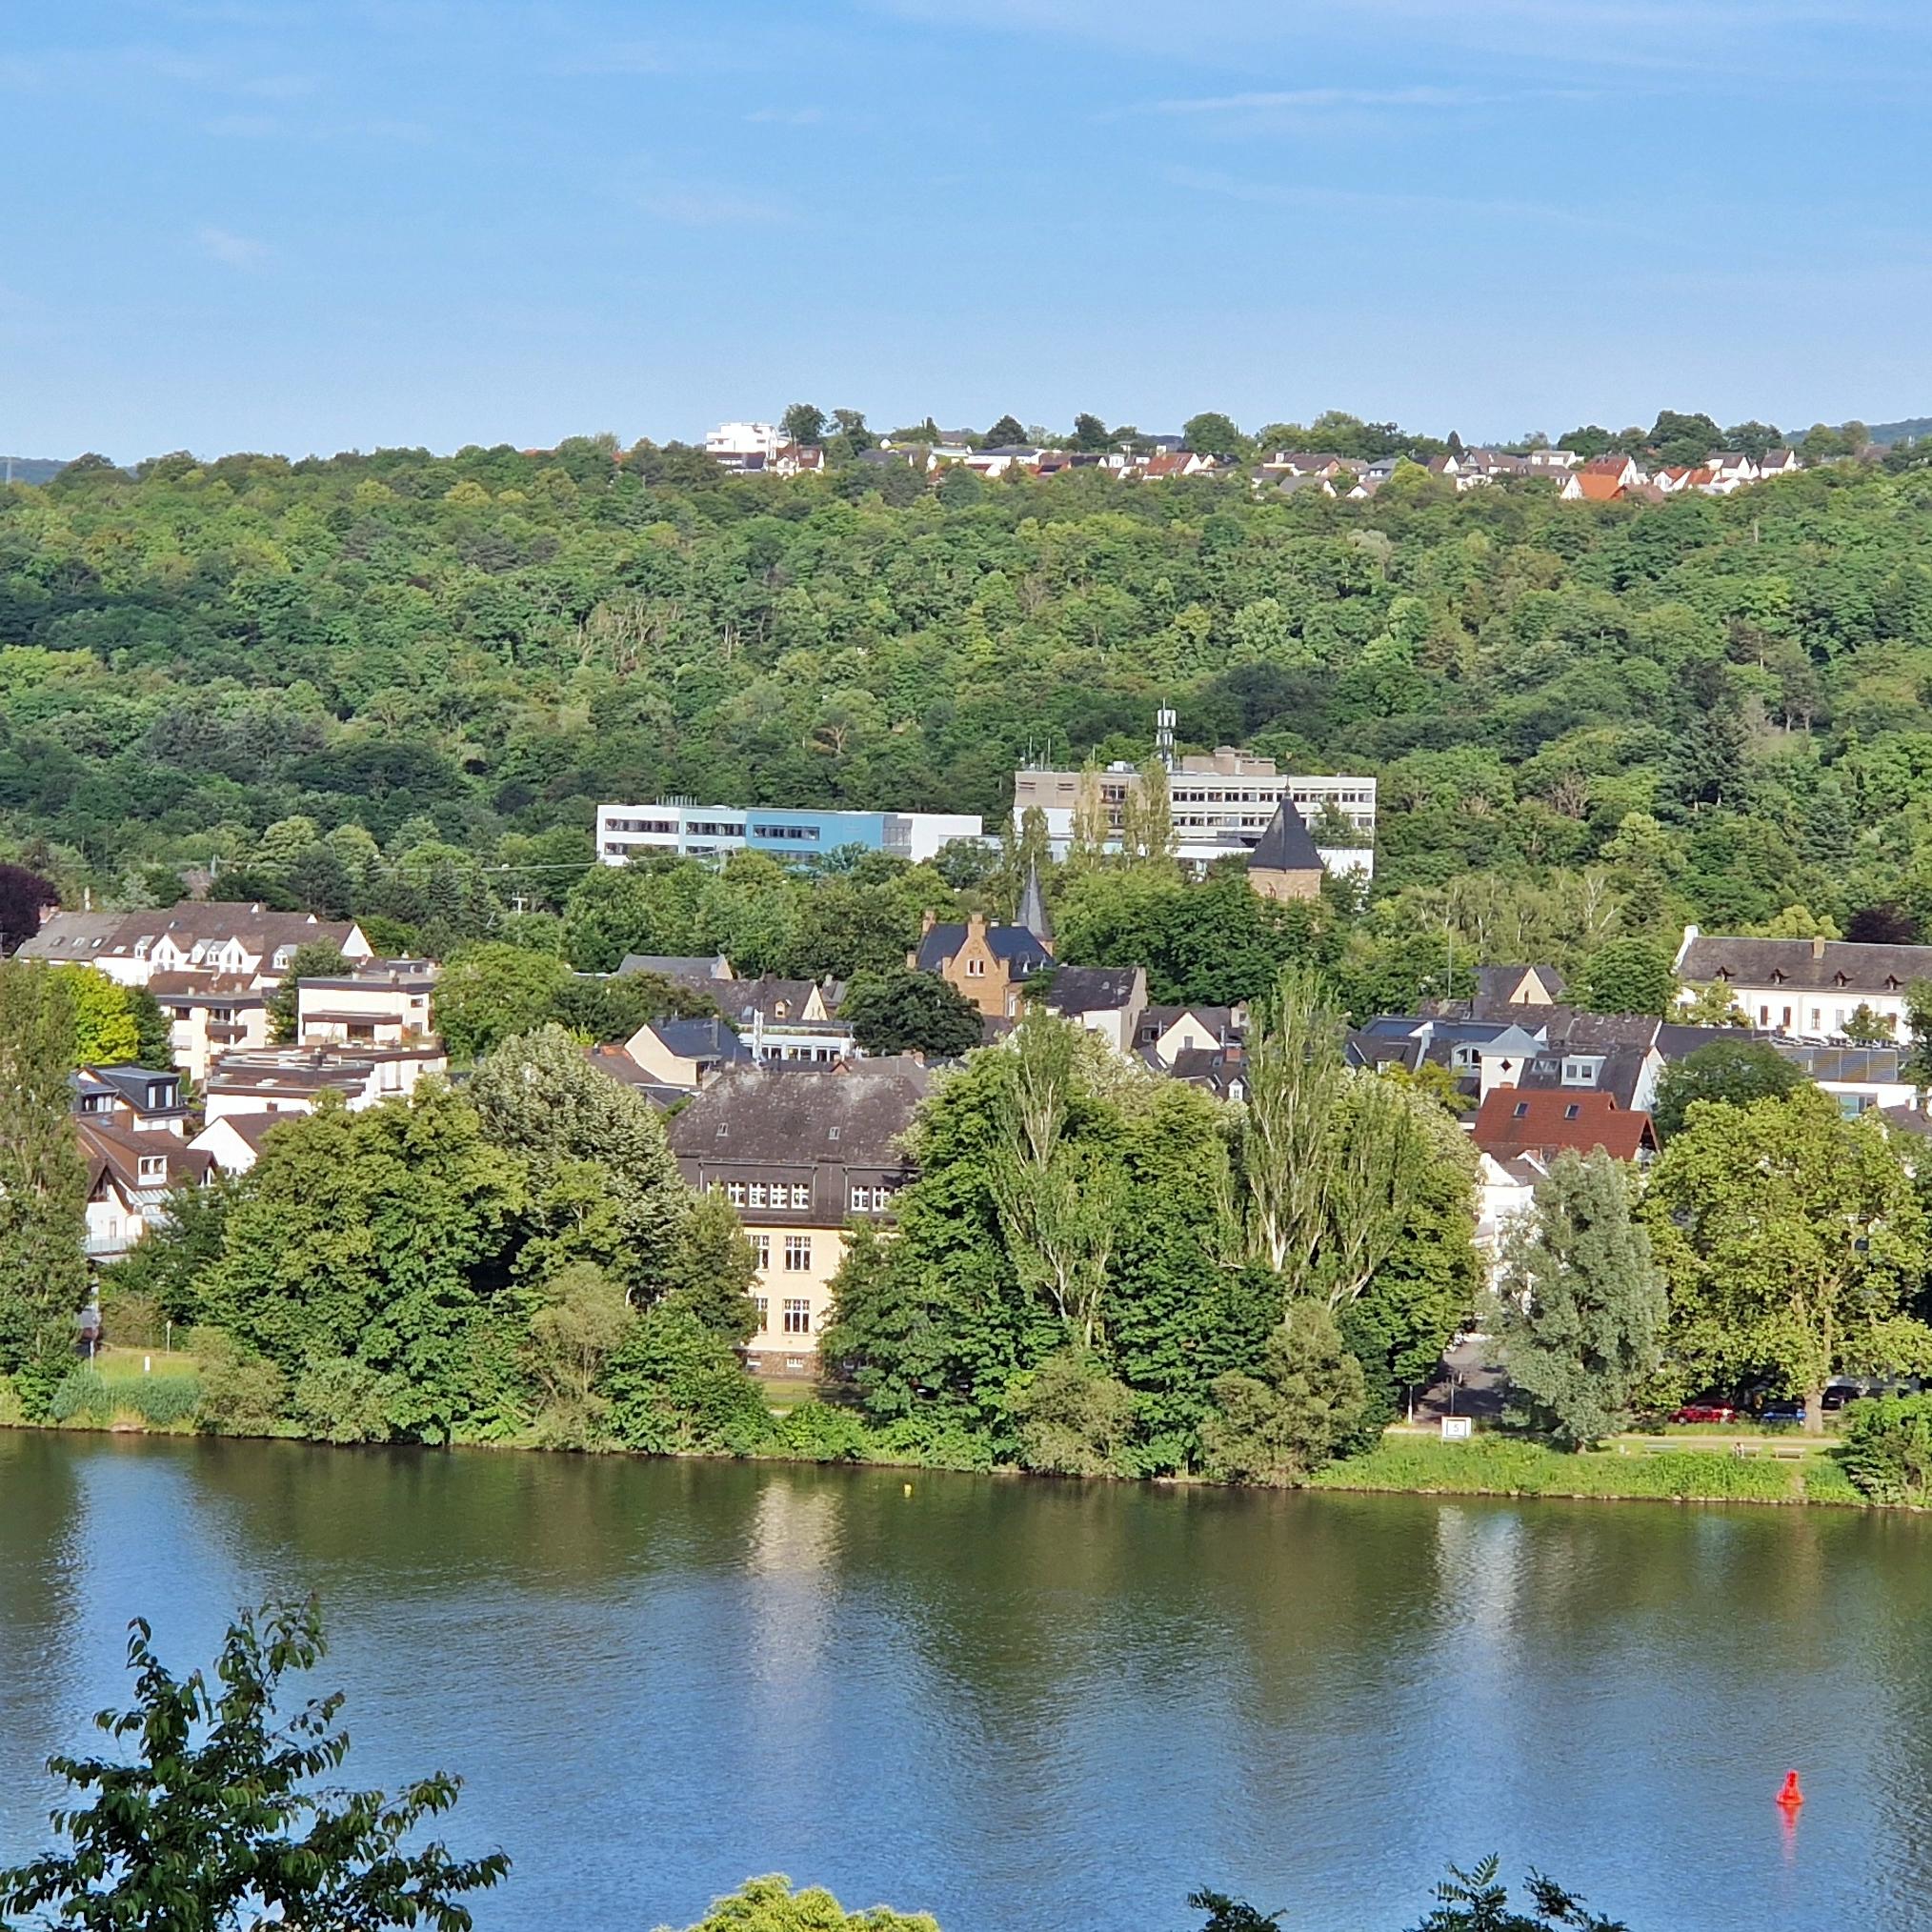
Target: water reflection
{"points": [[1028, 1706]]}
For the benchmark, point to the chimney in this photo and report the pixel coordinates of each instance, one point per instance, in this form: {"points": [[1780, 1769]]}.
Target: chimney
{"points": [[1818, 946], [928, 919], [975, 925]]}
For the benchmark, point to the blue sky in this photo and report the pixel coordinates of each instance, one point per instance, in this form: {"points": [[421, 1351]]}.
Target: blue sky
{"points": [[309, 225]]}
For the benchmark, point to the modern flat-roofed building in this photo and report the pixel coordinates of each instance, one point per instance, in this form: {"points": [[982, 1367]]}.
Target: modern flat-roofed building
{"points": [[711, 831], [1221, 802]]}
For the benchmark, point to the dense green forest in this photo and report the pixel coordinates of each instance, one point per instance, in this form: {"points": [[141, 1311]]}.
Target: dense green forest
{"points": [[361, 679]]}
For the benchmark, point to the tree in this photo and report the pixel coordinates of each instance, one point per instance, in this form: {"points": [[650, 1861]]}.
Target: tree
{"points": [[1060, 1198], [1007, 433], [105, 1031], [1214, 434], [1885, 923], [1091, 433], [1072, 1418], [1581, 1306], [1865, 1028], [216, 1826], [1476, 1902], [675, 1388], [1792, 1241], [487, 993], [317, 959], [24, 896], [371, 1237], [587, 1143], [154, 1030], [904, 1011], [1733, 1073], [1305, 1403], [43, 1182], [1627, 975], [770, 1905], [582, 1317], [1295, 1078], [803, 423], [711, 1270]]}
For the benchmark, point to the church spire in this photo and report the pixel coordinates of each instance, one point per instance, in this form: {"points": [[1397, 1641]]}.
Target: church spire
{"points": [[1032, 912]]}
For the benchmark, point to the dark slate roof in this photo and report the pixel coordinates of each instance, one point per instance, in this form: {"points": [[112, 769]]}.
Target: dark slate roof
{"points": [[1092, 989], [753, 1114], [672, 965], [1620, 1073], [1596, 1033], [1022, 949], [1677, 1043], [1215, 1069], [1285, 846], [1812, 964], [702, 1040]]}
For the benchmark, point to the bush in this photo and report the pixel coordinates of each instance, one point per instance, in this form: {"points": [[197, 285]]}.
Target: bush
{"points": [[241, 1393], [341, 1400], [937, 1441], [1885, 1448], [1071, 1417], [82, 1396], [675, 1387], [131, 1318], [159, 1401], [1304, 1407], [822, 1432]]}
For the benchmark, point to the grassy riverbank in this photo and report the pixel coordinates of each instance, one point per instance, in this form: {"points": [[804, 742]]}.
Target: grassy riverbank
{"points": [[119, 1393], [1500, 1466]]}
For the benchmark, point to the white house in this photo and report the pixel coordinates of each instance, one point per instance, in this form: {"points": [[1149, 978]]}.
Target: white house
{"points": [[1808, 988], [200, 936]]}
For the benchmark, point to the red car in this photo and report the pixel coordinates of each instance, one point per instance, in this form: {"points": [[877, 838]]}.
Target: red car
{"points": [[1706, 1412]]}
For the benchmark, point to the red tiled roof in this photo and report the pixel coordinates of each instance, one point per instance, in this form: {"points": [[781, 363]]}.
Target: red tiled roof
{"points": [[1516, 1120], [1599, 485]]}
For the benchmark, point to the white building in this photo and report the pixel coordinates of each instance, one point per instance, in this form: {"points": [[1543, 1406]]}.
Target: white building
{"points": [[1220, 803], [731, 443], [1809, 988], [711, 831]]}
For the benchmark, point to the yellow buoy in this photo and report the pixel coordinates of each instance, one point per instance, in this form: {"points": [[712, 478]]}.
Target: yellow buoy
{"points": [[909, 1489]]}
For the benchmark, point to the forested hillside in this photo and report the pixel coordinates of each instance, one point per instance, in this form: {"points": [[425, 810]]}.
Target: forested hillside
{"points": [[1715, 706]]}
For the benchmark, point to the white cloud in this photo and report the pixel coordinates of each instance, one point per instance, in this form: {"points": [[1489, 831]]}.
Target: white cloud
{"points": [[233, 250], [785, 117]]}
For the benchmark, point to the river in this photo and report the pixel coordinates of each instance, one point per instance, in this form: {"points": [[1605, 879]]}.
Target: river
{"points": [[1027, 1706]]}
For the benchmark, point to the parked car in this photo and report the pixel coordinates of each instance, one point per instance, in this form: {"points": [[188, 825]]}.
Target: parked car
{"points": [[1839, 1393], [1782, 1413], [1705, 1410]]}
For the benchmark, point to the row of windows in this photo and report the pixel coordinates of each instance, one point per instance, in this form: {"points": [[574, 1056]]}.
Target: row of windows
{"points": [[778, 1193], [797, 1316], [800, 833], [640, 825], [797, 1195]]}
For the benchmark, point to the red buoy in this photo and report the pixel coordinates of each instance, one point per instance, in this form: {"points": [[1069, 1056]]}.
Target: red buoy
{"points": [[1790, 1796]]}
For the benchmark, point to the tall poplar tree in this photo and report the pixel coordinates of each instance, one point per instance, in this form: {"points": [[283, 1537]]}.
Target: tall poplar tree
{"points": [[1582, 1305], [43, 1182]]}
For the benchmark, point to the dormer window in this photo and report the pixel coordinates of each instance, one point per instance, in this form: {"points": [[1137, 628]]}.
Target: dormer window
{"points": [[1839, 980], [153, 1167]]}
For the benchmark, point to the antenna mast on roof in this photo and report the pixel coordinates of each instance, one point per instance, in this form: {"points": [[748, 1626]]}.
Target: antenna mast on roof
{"points": [[1163, 737]]}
